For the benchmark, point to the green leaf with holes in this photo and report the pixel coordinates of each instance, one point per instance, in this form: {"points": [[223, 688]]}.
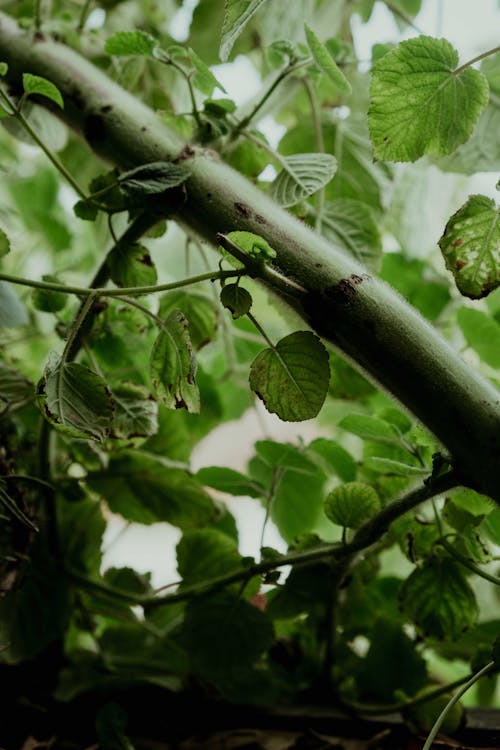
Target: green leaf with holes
{"points": [[302, 175], [173, 366], [351, 224], [471, 246], [326, 63], [135, 412], [130, 43], [421, 103], [38, 85], [237, 13], [351, 504], [438, 599], [292, 378], [75, 400], [199, 310]]}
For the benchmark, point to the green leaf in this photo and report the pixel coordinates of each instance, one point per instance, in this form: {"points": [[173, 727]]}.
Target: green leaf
{"points": [[81, 528], [482, 333], [236, 299], [370, 428], [206, 553], [75, 400], [135, 412], [292, 378], [351, 225], [173, 366], [229, 481], [439, 600], [302, 175], [471, 246], [473, 502], [333, 457], [481, 153], [3, 68], [203, 79], [410, 277], [14, 386], [37, 85], [237, 14], [421, 103], [394, 468], [351, 504], [199, 310], [224, 634], [12, 311], [47, 300], [131, 265], [326, 63], [4, 244], [253, 244], [130, 43], [143, 489], [153, 178]]}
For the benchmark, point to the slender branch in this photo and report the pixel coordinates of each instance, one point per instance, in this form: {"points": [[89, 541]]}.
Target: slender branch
{"points": [[37, 14], [402, 15], [468, 563], [260, 330], [84, 15], [477, 59]]}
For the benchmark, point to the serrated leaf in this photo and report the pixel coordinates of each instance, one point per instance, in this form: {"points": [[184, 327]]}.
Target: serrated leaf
{"points": [[206, 553], [12, 311], [481, 153], [130, 43], [198, 309], [292, 378], [471, 246], [326, 63], [237, 14], [37, 85], [482, 333], [236, 299], [370, 428], [421, 103], [229, 481], [75, 400], [302, 175], [14, 386], [203, 79], [173, 367], [153, 178], [439, 600], [142, 489], [131, 265], [135, 412], [47, 300], [351, 225], [351, 504]]}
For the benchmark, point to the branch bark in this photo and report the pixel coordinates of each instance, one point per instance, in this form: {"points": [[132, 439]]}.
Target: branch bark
{"points": [[360, 315]]}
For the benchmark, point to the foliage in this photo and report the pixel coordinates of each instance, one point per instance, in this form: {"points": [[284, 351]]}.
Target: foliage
{"points": [[128, 345]]}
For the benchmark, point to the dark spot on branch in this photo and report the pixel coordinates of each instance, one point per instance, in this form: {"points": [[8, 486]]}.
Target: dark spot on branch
{"points": [[344, 292], [143, 129], [38, 36], [186, 153], [106, 108], [243, 210], [260, 219]]}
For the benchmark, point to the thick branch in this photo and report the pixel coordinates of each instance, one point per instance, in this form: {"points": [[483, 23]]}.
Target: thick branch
{"points": [[362, 316]]}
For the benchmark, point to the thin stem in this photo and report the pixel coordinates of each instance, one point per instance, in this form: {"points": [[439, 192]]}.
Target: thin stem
{"points": [[260, 330], [400, 14], [123, 291], [53, 158], [78, 323], [132, 302], [468, 563], [29, 478], [84, 15], [444, 713], [37, 14], [290, 68], [320, 144], [194, 107], [277, 474], [477, 59]]}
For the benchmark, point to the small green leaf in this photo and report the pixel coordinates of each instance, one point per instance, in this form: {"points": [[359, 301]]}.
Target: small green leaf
{"points": [[229, 481], [173, 366], [471, 247], [37, 85], [4, 244], [370, 428], [302, 175], [292, 378], [203, 79], [153, 178], [236, 299], [473, 502], [482, 333], [253, 244], [131, 265], [351, 225], [237, 14], [144, 489], [439, 600], [199, 310], [3, 68], [130, 43], [326, 63], [421, 103], [351, 504], [75, 400], [85, 210], [206, 553], [47, 300], [135, 412], [333, 457]]}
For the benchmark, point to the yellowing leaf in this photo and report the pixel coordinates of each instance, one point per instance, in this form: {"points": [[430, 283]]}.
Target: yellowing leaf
{"points": [[421, 103], [173, 366]]}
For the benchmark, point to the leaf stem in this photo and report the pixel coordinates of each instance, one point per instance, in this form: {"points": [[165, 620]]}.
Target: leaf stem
{"points": [[400, 14], [84, 15], [37, 14], [490, 667], [78, 322], [477, 59], [264, 335], [468, 563]]}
